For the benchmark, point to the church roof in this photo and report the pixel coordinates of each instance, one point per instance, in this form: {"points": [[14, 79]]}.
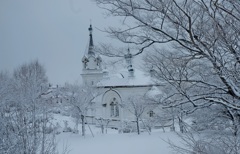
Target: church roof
{"points": [[122, 79], [90, 47], [155, 93]]}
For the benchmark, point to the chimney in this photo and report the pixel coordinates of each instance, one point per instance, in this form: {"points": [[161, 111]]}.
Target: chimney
{"points": [[128, 58]]}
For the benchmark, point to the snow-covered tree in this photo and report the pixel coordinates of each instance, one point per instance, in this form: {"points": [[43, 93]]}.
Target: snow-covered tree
{"points": [[137, 106], [6, 136], [103, 124], [81, 99], [195, 49], [24, 113], [203, 37], [30, 82]]}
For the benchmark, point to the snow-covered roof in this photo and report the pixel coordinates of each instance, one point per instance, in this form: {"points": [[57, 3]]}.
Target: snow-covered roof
{"points": [[122, 79], [154, 92]]}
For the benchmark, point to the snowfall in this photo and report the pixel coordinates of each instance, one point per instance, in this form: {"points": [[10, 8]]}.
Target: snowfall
{"points": [[157, 142]]}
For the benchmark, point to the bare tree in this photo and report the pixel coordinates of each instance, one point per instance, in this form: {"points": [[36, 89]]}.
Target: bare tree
{"points": [[81, 99], [200, 31], [6, 135], [25, 126], [137, 106], [103, 124], [29, 83], [202, 34], [195, 49]]}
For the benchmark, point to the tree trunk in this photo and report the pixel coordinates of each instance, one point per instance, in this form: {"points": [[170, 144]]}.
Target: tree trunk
{"points": [[138, 129], [34, 129], [102, 128], [235, 127], [83, 125], [44, 132], [181, 127], [163, 128]]}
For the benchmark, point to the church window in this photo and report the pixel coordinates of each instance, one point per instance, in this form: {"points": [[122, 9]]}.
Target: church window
{"points": [[114, 108], [117, 110], [151, 113]]}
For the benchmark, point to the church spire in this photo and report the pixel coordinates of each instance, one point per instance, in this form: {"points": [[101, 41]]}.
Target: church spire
{"points": [[90, 48], [92, 71]]}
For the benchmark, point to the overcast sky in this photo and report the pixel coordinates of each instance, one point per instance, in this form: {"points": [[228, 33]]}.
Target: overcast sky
{"points": [[52, 31]]}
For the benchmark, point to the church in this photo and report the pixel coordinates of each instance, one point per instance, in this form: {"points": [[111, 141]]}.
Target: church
{"points": [[115, 87]]}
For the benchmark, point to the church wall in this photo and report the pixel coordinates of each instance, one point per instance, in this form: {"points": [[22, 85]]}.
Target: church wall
{"points": [[92, 78], [103, 110], [102, 106], [129, 92]]}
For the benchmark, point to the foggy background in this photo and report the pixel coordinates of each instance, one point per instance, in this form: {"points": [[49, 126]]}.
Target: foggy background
{"points": [[53, 31]]}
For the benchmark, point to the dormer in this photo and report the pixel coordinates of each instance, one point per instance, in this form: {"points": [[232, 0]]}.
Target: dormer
{"points": [[128, 57]]}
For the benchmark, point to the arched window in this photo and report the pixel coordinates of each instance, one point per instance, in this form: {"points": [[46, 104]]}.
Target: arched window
{"points": [[114, 108]]}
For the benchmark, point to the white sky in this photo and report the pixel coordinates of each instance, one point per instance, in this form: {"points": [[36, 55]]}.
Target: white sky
{"points": [[52, 31]]}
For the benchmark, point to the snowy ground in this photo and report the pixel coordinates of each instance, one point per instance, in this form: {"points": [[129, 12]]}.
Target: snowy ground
{"points": [[114, 143]]}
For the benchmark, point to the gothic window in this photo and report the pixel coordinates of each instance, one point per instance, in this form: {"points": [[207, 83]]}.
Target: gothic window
{"points": [[114, 108]]}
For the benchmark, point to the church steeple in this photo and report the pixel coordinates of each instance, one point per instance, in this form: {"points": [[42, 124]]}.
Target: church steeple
{"points": [[91, 46], [92, 63]]}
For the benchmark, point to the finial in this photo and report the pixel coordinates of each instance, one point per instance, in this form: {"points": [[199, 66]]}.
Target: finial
{"points": [[152, 71], [90, 29], [128, 55], [90, 49]]}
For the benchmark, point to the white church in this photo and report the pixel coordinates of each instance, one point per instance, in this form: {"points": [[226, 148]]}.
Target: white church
{"points": [[114, 87]]}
